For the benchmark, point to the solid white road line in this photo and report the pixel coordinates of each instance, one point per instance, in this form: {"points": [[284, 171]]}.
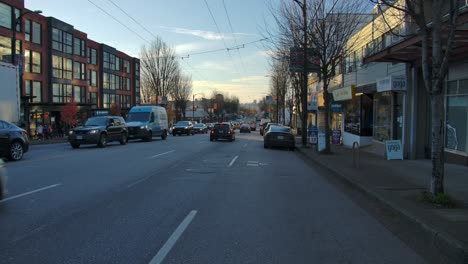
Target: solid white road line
{"points": [[164, 153], [31, 192], [232, 161], [162, 253]]}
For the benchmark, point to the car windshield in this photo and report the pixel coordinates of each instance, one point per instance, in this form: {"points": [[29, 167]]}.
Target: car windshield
{"points": [[182, 123], [199, 125], [282, 129], [138, 116], [96, 121]]}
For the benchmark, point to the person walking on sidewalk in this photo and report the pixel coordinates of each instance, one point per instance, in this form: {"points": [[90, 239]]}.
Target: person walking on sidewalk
{"points": [[40, 132]]}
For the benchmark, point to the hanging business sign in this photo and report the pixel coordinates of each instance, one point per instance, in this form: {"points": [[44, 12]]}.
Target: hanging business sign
{"points": [[345, 93], [391, 83], [336, 107], [312, 105], [296, 60]]}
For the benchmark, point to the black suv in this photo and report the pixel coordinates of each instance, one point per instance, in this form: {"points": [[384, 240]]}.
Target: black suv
{"points": [[99, 130], [183, 128], [14, 141], [222, 131]]}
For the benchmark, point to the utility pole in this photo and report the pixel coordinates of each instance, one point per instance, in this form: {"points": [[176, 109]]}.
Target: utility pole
{"points": [[305, 73]]}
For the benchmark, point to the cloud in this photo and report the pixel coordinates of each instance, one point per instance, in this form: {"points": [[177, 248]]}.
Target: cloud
{"points": [[254, 78], [187, 48], [209, 35]]}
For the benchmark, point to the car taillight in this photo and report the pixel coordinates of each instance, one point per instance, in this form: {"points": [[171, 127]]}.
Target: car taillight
{"points": [[212, 131], [229, 132]]}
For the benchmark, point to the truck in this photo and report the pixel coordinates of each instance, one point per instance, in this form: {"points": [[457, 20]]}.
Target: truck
{"points": [[9, 93]]}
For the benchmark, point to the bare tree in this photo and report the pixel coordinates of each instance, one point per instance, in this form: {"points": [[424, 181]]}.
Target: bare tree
{"points": [[182, 89], [279, 84], [323, 26], [146, 89], [437, 31], [159, 67]]}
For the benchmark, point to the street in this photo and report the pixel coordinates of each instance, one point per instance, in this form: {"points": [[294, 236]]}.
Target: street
{"points": [[184, 200]]}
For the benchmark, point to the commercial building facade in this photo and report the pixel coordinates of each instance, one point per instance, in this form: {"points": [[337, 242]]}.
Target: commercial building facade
{"points": [[58, 64], [379, 95]]}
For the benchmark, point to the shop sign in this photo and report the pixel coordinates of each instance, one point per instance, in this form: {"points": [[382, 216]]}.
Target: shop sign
{"points": [[313, 134], [336, 137], [101, 112], [393, 150], [343, 94], [391, 83], [321, 142], [313, 104], [336, 107]]}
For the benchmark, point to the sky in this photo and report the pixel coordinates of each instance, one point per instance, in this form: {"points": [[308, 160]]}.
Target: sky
{"points": [[188, 26]]}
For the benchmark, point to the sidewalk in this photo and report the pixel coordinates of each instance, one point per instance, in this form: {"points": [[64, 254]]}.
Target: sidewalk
{"points": [[48, 141], [396, 184]]}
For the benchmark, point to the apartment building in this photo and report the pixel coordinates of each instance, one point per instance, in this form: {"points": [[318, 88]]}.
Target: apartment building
{"points": [[58, 63]]}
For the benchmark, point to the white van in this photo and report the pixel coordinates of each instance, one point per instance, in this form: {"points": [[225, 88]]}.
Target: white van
{"points": [[145, 122]]}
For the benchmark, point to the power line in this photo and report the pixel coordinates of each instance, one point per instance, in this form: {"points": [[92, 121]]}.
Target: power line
{"points": [[134, 20], [118, 21]]}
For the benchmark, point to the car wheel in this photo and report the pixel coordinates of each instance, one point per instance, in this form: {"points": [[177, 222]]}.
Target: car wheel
{"points": [[124, 139], [149, 137], [16, 151], [102, 141], [75, 145], [164, 135]]}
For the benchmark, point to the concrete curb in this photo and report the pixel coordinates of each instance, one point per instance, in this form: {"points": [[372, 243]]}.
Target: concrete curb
{"points": [[451, 247]]}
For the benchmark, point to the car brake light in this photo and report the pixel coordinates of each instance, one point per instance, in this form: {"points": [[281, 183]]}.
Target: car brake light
{"points": [[212, 131], [229, 132]]}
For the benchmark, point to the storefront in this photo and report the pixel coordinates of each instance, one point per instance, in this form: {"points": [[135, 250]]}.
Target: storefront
{"points": [[388, 111], [356, 116], [456, 131]]}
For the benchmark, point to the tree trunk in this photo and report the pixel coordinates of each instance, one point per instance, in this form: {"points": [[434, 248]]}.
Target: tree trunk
{"points": [[437, 152], [326, 105]]}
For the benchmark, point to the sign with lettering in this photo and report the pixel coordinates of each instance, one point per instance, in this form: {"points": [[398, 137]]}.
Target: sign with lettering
{"points": [[336, 107], [393, 150], [391, 83], [343, 94]]}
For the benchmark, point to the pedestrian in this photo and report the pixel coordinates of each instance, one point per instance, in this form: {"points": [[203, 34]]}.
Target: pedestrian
{"points": [[40, 131], [50, 131]]}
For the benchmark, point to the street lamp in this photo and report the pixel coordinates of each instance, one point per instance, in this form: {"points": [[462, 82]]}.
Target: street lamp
{"points": [[16, 21], [193, 105]]}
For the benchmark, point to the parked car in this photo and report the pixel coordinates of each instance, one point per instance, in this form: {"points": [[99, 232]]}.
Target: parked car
{"points": [[279, 136], [262, 127], [14, 141], [267, 126], [99, 130], [244, 128], [146, 122], [200, 128], [183, 128], [253, 126], [3, 180], [222, 131]]}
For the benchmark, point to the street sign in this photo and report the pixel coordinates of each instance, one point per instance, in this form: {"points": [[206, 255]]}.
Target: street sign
{"points": [[296, 60], [393, 150]]}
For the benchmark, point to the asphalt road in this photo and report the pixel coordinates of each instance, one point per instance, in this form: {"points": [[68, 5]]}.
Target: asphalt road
{"points": [[184, 200]]}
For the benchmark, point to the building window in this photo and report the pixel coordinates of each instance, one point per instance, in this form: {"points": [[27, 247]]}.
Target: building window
{"points": [[32, 31], [106, 60], [137, 86], [5, 47], [92, 56], [93, 98], [57, 43], [383, 116], [57, 66], [33, 88], [118, 63], [32, 61], [112, 81], [106, 80], [61, 93], [358, 115], [118, 82], [62, 67], [126, 66], [62, 41], [137, 69], [79, 47], [5, 15], [108, 100], [128, 84], [109, 61], [92, 78], [456, 131], [79, 94], [79, 71]]}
